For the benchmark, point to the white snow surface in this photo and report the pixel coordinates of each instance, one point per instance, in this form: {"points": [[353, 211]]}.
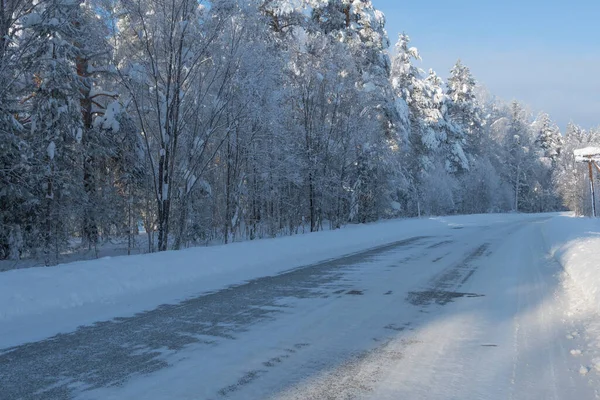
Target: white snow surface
{"points": [[586, 154], [507, 334], [36, 303], [575, 243], [521, 319], [588, 151]]}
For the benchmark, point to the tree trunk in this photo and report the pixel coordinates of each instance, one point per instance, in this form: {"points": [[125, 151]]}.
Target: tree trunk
{"points": [[311, 203], [226, 225], [163, 200], [182, 228], [517, 183], [90, 225]]}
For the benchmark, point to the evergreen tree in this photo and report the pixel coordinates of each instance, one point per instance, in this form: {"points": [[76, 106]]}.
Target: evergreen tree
{"points": [[463, 109], [570, 178], [226, 120], [55, 119], [548, 138]]}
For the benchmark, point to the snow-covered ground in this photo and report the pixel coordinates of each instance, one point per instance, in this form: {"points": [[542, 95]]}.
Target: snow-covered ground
{"points": [[478, 307], [38, 302], [575, 244], [112, 247]]}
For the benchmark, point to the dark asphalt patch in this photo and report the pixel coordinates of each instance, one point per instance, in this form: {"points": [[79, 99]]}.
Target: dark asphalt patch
{"points": [[440, 297], [394, 327], [440, 244], [355, 292], [243, 381], [110, 353], [443, 288]]}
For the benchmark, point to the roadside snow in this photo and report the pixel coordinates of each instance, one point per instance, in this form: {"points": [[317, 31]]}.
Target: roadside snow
{"points": [[38, 302], [575, 243]]}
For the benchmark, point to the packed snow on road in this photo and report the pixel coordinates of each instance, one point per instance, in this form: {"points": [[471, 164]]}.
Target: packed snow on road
{"points": [[487, 307]]}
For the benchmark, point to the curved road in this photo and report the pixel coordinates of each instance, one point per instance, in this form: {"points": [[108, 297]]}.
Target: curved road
{"points": [[477, 314]]}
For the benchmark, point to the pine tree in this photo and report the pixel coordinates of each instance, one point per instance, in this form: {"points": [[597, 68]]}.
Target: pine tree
{"points": [[55, 121], [519, 156], [463, 109], [449, 137], [406, 80], [97, 91], [15, 152], [548, 138]]}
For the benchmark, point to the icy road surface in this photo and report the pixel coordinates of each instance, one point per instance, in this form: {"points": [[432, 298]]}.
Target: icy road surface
{"points": [[475, 314]]}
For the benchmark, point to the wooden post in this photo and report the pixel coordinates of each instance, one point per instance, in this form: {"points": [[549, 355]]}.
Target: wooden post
{"points": [[592, 189]]}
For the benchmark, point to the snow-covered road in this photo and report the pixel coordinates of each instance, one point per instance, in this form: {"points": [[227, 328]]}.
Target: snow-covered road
{"points": [[475, 312]]}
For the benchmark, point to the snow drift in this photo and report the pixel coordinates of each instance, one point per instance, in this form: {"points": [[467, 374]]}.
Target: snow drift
{"points": [[575, 243]]}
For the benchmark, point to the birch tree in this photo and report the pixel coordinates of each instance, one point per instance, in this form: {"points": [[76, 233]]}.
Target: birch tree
{"points": [[168, 44]]}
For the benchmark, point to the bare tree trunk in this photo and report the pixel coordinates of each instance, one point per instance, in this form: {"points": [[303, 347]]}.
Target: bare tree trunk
{"points": [[226, 225], [182, 225], [163, 200], [311, 203], [517, 183], [48, 231]]}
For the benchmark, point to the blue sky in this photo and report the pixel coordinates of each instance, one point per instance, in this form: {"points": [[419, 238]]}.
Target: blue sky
{"points": [[545, 54]]}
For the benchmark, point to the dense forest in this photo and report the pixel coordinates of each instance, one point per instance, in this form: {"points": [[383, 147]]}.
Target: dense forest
{"points": [[226, 120]]}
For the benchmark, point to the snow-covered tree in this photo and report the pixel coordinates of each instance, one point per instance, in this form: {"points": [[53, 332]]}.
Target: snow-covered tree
{"points": [[517, 146], [164, 75], [449, 134], [548, 139], [224, 120], [55, 119], [570, 178], [15, 151], [407, 83], [421, 105], [464, 110]]}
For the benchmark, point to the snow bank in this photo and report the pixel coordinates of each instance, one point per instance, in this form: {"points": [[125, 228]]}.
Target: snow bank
{"points": [[38, 302], [575, 243]]}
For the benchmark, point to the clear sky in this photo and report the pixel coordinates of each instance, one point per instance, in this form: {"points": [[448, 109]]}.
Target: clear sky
{"points": [[545, 54]]}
